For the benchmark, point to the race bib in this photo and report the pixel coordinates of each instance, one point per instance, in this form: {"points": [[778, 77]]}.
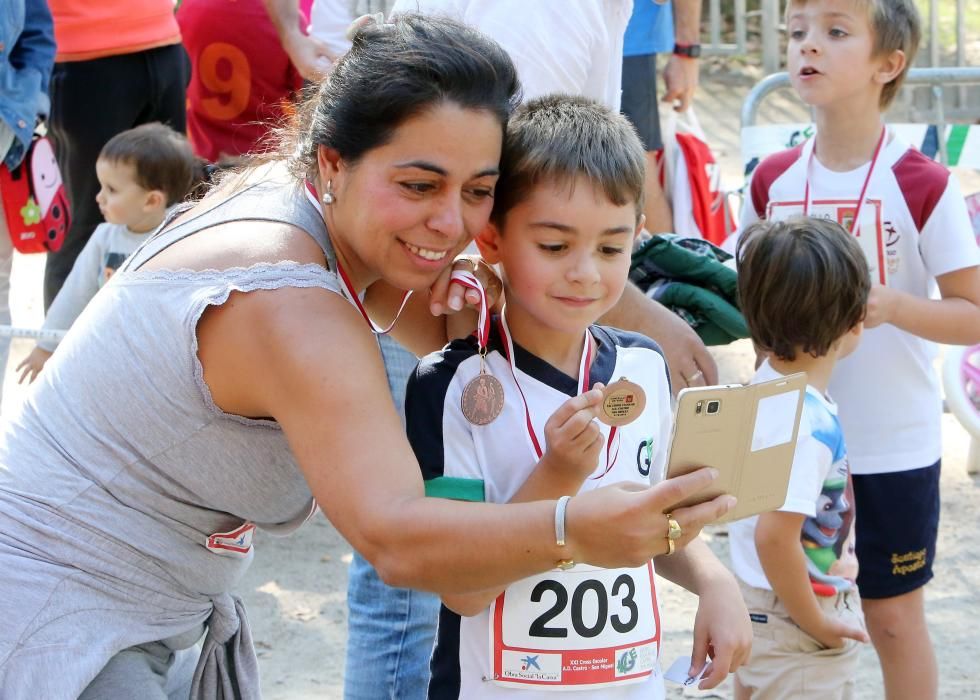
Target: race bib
{"points": [[571, 630], [869, 230]]}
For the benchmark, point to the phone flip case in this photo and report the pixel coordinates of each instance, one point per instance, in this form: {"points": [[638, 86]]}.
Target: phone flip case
{"points": [[748, 433]]}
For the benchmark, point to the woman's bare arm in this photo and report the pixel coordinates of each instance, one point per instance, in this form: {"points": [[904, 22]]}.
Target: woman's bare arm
{"points": [[306, 358]]}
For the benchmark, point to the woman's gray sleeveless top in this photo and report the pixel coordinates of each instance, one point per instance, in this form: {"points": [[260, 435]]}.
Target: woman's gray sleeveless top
{"points": [[126, 494]]}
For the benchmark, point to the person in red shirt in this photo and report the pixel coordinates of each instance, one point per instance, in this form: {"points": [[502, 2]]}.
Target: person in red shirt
{"points": [[242, 81]]}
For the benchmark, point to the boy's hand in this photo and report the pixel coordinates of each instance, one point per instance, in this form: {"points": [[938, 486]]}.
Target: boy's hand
{"points": [[833, 633], [574, 440], [32, 365], [722, 632], [881, 302]]}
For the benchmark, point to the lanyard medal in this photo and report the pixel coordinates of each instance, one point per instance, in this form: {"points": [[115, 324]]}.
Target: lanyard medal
{"points": [[483, 396]]}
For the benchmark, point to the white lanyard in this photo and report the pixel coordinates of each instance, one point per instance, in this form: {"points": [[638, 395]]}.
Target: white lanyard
{"points": [[864, 187], [348, 288]]}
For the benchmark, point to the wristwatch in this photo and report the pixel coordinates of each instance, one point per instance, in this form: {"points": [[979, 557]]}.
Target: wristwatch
{"points": [[687, 50]]}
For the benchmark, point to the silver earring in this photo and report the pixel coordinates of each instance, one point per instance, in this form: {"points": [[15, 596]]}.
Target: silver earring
{"points": [[328, 197]]}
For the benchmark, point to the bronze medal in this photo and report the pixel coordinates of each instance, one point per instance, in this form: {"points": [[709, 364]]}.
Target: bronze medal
{"points": [[622, 403], [482, 399]]}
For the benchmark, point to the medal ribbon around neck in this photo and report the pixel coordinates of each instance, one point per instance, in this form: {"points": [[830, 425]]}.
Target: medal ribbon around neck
{"points": [[348, 288], [467, 279], [482, 399], [864, 188], [583, 385]]}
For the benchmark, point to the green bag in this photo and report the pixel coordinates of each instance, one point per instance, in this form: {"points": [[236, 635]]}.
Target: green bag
{"points": [[690, 277]]}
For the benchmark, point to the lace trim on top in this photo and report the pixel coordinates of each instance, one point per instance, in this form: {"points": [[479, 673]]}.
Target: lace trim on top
{"points": [[260, 276], [274, 273]]}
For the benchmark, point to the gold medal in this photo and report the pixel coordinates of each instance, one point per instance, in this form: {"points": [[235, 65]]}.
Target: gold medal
{"points": [[622, 403], [482, 399]]}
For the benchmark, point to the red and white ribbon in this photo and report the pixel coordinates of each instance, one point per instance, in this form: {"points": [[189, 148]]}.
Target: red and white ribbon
{"points": [[349, 290], [471, 281], [864, 187], [583, 385]]}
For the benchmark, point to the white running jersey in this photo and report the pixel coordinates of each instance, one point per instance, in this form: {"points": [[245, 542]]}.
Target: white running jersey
{"points": [[914, 228], [490, 463]]}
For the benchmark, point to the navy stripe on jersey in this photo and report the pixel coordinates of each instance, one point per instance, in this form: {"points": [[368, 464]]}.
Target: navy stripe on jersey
{"points": [[425, 397], [611, 338], [444, 683]]}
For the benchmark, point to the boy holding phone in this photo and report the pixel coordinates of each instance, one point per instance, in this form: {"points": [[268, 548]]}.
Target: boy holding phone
{"points": [[803, 286], [509, 415]]}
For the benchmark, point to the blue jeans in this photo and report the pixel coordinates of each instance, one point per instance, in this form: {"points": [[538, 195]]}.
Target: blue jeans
{"points": [[389, 637], [390, 631]]}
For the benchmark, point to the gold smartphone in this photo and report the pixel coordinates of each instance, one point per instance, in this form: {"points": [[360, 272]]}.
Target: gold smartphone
{"points": [[748, 433]]}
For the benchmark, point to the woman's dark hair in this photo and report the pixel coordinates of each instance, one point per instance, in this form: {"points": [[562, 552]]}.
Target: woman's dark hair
{"points": [[393, 72]]}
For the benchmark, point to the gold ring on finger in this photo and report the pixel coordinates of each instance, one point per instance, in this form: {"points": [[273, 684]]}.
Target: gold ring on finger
{"points": [[670, 546], [470, 261], [674, 531]]}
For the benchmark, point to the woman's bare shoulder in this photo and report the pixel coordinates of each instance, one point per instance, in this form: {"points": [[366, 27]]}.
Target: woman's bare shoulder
{"points": [[238, 243]]}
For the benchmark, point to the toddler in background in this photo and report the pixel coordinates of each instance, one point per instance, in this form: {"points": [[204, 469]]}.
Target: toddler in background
{"points": [[142, 173]]}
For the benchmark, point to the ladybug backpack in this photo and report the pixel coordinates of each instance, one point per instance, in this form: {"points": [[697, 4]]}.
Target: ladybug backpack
{"points": [[34, 200]]}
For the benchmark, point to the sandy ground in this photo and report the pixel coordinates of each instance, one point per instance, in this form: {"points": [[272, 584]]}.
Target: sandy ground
{"points": [[295, 591]]}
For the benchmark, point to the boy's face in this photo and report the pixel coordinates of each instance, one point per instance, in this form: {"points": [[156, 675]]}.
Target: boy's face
{"points": [[565, 252], [829, 51], [121, 199]]}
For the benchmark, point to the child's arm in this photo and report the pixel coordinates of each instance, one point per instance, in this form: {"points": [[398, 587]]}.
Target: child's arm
{"points": [[954, 319], [721, 627], [81, 285], [32, 365], [310, 56], [777, 539], [77, 291], [574, 443]]}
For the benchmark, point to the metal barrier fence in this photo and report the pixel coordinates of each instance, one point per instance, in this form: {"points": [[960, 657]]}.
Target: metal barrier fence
{"points": [[936, 78]]}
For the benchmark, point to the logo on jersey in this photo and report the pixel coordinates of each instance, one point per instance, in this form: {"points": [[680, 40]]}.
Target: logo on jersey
{"points": [[644, 456], [529, 662], [892, 236], [626, 662]]}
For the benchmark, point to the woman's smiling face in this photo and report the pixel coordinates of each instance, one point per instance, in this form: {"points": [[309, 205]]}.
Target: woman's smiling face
{"points": [[406, 208]]}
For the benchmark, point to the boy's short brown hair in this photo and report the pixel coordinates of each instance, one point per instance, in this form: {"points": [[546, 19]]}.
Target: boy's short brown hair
{"points": [[161, 157], [896, 26], [802, 284], [561, 137]]}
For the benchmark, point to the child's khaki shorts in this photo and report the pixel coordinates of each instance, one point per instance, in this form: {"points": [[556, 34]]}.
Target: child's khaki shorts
{"points": [[787, 663]]}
